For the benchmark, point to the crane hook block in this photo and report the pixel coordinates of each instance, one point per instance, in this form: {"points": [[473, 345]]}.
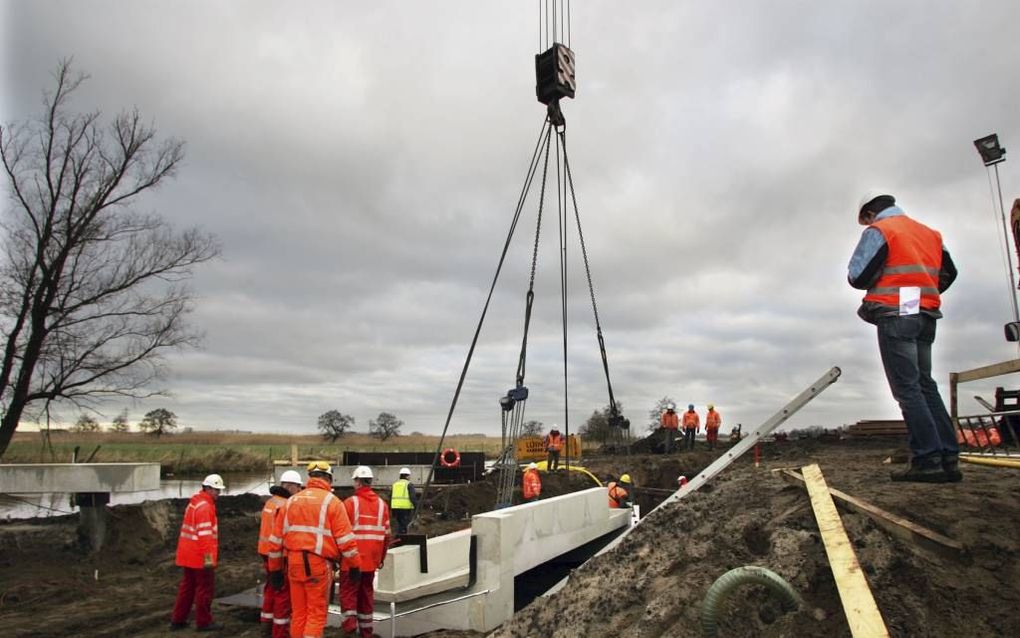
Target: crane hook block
{"points": [[520, 393], [554, 74]]}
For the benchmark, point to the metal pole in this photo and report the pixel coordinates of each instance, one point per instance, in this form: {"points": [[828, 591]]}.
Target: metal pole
{"points": [[1009, 258], [393, 618]]}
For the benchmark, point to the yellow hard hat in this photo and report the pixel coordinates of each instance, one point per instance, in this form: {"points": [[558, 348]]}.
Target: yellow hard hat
{"points": [[320, 466], [625, 478]]}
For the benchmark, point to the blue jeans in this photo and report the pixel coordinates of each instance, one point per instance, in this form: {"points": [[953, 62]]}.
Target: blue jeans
{"points": [[905, 345]]}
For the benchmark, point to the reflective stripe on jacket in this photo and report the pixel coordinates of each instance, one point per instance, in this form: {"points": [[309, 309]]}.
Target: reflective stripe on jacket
{"points": [[554, 443], [400, 496], [531, 484], [370, 518], [268, 521], [670, 420], [914, 259], [199, 532], [314, 520], [712, 420], [617, 496], [691, 420]]}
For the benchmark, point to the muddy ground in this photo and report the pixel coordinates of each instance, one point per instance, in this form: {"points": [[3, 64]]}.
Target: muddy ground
{"points": [[652, 584]]}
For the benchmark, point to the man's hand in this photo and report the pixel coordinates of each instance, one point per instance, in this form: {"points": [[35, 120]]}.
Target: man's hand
{"points": [[354, 574], [207, 561], [276, 580]]}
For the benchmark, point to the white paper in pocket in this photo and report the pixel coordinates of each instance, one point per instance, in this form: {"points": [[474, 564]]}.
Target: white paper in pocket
{"points": [[910, 300]]}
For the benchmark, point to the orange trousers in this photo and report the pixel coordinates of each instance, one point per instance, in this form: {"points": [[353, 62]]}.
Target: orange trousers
{"points": [[309, 594]]}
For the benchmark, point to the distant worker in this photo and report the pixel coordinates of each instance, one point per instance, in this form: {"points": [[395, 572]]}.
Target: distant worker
{"points": [[531, 484], [618, 494], [275, 615], [370, 518], [691, 423], [553, 445], [904, 266], [712, 424], [670, 422], [197, 554], [403, 501], [735, 433], [681, 480], [315, 532]]}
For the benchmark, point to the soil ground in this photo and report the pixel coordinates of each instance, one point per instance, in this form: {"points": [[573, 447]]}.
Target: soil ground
{"points": [[652, 584]]}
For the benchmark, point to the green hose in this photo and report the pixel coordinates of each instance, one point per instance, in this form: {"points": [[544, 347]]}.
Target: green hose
{"points": [[733, 579]]}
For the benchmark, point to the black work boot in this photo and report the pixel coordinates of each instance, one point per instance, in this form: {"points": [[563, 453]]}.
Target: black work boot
{"points": [[922, 471], [951, 466]]}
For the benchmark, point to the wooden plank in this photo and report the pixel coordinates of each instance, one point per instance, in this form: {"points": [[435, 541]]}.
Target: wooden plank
{"points": [[858, 603], [898, 526], [985, 372]]}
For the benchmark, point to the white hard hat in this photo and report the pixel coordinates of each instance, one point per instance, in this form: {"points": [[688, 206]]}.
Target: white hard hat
{"points": [[670, 406], [405, 470], [290, 476], [214, 480], [532, 466], [870, 195], [362, 472]]}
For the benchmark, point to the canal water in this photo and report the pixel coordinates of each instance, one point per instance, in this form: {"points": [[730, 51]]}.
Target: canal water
{"points": [[58, 504]]}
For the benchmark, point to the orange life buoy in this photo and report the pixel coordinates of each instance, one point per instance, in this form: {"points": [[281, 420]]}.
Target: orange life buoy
{"points": [[449, 458]]}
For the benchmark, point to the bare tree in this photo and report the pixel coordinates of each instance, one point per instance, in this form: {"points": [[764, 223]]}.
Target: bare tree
{"points": [[85, 423], [384, 426], [158, 422], [334, 424], [532, 428], [92, 292], [655, 414], [120, 422]]}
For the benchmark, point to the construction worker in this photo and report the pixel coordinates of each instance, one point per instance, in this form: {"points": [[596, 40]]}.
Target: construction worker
{"points": [[197, 554], [403, 500], [904, 266], [275, 615], [691, 423], [531, 484], [314, 532], [370, 519], [735, 433], [712, 424], [618, 494], [670, 422], [553, 445], [681, 480]]}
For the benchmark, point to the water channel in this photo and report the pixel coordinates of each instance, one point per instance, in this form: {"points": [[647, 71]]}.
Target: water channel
{"points": [[17, 506]]}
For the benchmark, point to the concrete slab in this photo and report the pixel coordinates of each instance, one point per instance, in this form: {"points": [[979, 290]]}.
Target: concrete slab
{"points": [[37, 478], [384, 475]]}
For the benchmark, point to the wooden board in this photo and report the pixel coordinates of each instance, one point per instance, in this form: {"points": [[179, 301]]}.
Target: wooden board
{"points": [[898, 526], [858, 603]]}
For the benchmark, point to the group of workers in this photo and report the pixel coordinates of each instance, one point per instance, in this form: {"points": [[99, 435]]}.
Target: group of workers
{"points": [[307, 537], [690, 423]]}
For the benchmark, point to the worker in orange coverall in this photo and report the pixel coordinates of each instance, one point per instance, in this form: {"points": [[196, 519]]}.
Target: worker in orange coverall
{"points": [[531, 484], [197, 553], [275, 615], [370, 519]]}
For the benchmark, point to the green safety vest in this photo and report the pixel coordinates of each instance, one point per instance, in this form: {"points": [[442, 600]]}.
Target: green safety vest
{"points": [[400, 497]]}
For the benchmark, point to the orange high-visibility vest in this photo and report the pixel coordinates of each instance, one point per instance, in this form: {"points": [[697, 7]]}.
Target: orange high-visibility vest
{"points": [[199, 532], [554, 443], [915, 259], [691, 420], [670, 420], [268, 521], [712, 420], [531, 484], [370, 518], [314, 520], [617, 495]]}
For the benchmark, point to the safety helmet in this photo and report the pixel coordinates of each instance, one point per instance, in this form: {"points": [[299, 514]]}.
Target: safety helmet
{"points": [[711, 406], [290, 476], [869, 196], [405, 471], [320, 466], [532, 466], [690, 406], [681, 480], [625, 478], [214, 480], [670, 406], [363, 472]]}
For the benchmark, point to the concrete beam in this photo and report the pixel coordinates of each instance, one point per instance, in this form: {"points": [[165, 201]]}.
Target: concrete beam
{"points": [[384, 475], [38, 478]]}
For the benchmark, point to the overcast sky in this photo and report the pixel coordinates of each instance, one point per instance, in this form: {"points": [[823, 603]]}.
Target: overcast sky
{"points": [[360, 163]]}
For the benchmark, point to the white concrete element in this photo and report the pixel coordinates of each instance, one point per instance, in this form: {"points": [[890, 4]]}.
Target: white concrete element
{"points": [[384, 475], [35, 478], [509, 542], [401, 579]]}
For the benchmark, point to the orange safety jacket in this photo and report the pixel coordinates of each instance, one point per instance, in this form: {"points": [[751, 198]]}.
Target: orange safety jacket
{"points": [[691, 420], [199, 532], [314, 521], [554, 443], [617, 495], [915, 259], [670, 420], [531, 484], [269, 510], [712, 420], [370, 519]]}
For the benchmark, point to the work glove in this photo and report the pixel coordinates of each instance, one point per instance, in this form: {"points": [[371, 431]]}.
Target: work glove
{"points": [[354, 574], [207, 561], [276, 579]]}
